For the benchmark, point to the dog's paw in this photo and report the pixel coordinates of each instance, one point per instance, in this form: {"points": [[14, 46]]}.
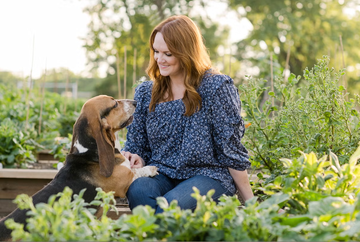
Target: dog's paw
{"points": [[153, 170], [146, 171]]}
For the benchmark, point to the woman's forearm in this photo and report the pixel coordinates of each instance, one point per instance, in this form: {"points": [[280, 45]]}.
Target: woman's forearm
{"points": [[242, 183]]}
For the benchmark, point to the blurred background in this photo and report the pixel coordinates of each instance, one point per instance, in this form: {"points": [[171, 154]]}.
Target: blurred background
{"points": [[84, 48]]}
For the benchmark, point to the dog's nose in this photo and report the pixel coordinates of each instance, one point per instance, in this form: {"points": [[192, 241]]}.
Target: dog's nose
{"points": [[134, 103]]}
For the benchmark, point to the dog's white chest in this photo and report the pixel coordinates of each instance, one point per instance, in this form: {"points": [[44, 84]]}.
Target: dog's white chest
{"points": [[79, 147]]}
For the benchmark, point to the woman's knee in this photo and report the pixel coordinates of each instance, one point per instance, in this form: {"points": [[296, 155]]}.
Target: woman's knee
{"points": [[145, 190], [183, 192], [140, 193]]}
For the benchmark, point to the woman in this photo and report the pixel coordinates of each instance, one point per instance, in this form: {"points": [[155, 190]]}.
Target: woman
{"points": [[187, 123]]}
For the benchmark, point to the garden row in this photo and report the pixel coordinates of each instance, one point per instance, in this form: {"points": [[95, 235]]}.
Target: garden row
{"points": [[31, 123], [305, 136], [320, 200]]}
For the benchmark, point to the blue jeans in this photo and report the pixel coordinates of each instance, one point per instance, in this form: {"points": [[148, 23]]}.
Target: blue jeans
{"points": [[145, 190]]}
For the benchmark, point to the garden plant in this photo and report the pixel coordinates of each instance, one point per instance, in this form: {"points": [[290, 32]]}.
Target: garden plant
{"points": [[21, 137], [319, 197], [309, 114]]}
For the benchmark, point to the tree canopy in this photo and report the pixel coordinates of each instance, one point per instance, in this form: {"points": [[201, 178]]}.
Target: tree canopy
{"points": [[304, 30], [308, 28], [116, 24]]}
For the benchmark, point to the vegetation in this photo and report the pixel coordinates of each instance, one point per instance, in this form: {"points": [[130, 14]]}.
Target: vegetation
{"points": [[22, 134], [107, 37], [320, 201], [307, 29], [293, 121], [298, 31], [306, 198], [316, 115]]}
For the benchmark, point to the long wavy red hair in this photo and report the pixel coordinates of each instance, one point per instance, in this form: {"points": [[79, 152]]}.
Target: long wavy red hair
{"points": [[185, 42]]}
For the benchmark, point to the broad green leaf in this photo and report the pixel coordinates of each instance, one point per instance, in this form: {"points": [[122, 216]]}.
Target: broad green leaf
{"points": [[275, 199], [354, 157], [329, 206], [295, 220]]}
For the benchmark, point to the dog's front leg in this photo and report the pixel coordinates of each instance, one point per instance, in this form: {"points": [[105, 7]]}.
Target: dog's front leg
{"points": [[146, 171]]}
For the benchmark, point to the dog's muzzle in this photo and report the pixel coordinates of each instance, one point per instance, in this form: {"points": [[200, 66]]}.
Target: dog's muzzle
{"points": [[127, 122]]}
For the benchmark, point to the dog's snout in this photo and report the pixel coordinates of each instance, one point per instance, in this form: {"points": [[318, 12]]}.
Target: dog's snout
{"points": [[134, 103]]}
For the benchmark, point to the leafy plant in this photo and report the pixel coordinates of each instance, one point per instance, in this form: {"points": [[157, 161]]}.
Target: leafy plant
{"points": [[64, 218], [61, 147], [330, 193], [308, 179], [21, 139], [17, 145], [314, 115]]}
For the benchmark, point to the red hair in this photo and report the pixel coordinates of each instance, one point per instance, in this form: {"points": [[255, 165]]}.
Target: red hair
{"points": [[185, 42]]}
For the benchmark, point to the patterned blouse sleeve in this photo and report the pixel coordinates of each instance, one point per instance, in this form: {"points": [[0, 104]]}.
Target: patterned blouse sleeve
{"points": [[228, 127], [136, 138]]}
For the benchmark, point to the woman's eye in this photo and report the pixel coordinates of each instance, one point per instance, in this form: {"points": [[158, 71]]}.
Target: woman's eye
{"points": [[155, 51], [168, 54]]}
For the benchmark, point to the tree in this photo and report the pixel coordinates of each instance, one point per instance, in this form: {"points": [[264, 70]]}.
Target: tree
{"points": [[309, 28], [59, 77], [9, 78], [119, 23]]}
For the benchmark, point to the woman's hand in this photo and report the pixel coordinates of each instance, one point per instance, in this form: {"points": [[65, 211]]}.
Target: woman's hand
{"points": [[135, 160]]}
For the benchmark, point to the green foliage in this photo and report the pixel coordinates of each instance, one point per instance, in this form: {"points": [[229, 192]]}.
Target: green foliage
{"points": [[20, 139], [64, 219], [60, 147], [17, 145], [308, 179], [8, 79], [330, 193], [108, 37], [313, 116], [309, 29]]}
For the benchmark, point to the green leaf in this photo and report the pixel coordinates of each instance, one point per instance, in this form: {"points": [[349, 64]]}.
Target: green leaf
{"points": [[295, 220], [329, 206], [354, 112], [275, 199]]}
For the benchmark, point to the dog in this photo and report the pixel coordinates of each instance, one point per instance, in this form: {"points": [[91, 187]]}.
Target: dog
{"points": [[94, 159]]}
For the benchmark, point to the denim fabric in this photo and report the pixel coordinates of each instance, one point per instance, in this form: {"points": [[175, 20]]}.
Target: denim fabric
{"points": [[145, 190]]}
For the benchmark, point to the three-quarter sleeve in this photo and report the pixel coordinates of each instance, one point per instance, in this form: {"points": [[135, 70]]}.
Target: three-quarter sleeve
{"points": [[136, 138], [228, 127]]}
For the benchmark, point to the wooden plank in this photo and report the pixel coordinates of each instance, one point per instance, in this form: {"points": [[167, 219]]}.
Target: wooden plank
{"points": [[6, 207], [10, 187], [112, 214], [28, 173]]}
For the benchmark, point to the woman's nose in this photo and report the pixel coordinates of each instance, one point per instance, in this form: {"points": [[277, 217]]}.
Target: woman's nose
{"points": [[160, 59]]}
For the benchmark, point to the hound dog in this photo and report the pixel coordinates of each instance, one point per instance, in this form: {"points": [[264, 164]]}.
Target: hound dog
{"points": [[93, 160]]}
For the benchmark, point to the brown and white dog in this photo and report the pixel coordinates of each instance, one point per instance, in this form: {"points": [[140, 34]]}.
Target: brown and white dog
{"points": [[93, 160]]}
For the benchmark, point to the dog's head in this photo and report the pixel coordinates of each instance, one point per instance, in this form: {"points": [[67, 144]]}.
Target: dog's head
{"points": [[99, 119]]}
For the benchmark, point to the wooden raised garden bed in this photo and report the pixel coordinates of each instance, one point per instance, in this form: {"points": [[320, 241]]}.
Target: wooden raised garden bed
{"points": [[17, 181], [28, 181]]}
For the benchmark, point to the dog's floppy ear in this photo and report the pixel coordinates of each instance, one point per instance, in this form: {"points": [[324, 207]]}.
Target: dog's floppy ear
{"points": [[105, 146], [106, 149]]}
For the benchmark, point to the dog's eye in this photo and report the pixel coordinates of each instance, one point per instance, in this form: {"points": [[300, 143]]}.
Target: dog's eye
{"points": [[107, 111], [116, 104]]}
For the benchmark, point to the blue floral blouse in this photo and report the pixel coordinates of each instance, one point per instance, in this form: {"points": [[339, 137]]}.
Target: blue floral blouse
{"points": [[205, 143]]}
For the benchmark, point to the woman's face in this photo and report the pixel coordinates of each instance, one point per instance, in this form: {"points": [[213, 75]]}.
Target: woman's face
{"points": [[168, 64]]}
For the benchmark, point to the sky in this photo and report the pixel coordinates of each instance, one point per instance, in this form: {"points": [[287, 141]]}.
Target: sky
{"points": [[39, 34]]}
